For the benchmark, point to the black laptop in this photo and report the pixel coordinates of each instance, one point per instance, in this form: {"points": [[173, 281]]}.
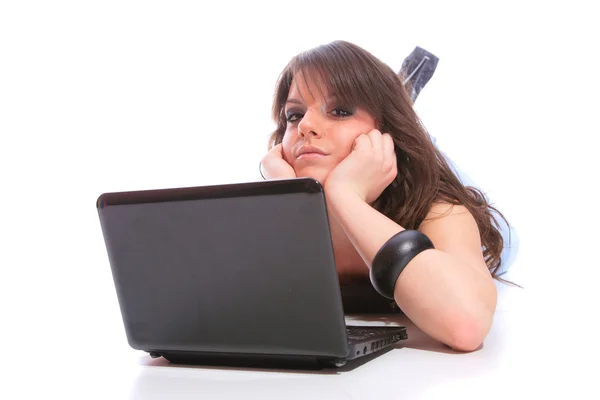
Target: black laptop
{"points": [[241, 270]]}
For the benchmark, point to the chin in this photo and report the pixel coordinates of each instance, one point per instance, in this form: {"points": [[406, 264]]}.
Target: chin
{"points": [[319, 175]]}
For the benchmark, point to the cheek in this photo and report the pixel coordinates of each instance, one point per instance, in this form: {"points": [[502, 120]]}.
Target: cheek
{"points": [[347, 143], [355, 131], [288, 144]]}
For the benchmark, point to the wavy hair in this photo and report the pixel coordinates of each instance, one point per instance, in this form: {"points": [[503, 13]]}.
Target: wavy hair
{"points": [[359, 79]]}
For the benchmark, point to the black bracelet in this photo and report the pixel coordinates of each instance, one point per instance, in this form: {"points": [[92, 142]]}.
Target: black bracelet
{"points": [[260, 170], [393, 257]]}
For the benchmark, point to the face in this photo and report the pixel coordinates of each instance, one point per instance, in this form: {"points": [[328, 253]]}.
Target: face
{"points": [[320, 132]]}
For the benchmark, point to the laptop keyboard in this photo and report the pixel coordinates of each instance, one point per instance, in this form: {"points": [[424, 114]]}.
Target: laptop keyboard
{"points": [[364, 333]]}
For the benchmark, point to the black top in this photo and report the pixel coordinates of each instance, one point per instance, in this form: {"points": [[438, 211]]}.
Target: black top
{"points": [[360, 297]]}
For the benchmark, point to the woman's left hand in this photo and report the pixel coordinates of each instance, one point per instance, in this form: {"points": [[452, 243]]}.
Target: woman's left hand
{"points": [[370, 167]]}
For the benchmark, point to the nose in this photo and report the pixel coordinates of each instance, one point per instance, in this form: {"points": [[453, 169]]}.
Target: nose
{"points": [[310, 125]]}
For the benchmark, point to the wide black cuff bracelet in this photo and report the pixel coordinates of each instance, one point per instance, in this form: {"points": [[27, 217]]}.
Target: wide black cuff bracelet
{"points": [[393, 257]]}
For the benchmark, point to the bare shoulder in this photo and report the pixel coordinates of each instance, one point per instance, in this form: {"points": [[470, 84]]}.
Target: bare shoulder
{"points": [[446, 215], [453, 229]]}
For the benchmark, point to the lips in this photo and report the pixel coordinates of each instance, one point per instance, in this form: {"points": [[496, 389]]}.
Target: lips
{"points": [[310, 152]]}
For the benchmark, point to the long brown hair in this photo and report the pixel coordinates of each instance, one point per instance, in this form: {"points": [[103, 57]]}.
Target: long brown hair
{"points": [[359, 79]]}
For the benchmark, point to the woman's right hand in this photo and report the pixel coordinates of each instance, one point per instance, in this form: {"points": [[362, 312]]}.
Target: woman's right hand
{"points": [[273, 166]]}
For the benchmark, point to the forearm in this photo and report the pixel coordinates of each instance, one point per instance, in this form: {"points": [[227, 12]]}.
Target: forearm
{"points": [[445, 297], [351, 213]]}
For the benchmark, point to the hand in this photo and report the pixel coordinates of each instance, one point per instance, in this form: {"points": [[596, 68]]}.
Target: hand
{"points": [[370, 167], [273, 166]]}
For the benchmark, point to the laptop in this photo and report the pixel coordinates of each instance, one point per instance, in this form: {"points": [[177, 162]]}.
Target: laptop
{"points": [[243, 270]]}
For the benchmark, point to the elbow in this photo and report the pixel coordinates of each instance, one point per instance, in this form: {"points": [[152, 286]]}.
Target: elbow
{"points": [[468, 333], [469, 328]]}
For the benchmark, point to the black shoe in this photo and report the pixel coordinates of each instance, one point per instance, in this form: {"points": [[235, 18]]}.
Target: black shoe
{"points": [[417, 69]]}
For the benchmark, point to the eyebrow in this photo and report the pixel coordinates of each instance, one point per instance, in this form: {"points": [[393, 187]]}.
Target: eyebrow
{"points": [[331, 99]]}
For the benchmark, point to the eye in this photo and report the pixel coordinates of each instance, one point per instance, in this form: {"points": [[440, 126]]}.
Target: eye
{"points": [[341, 112], [293, 116]]}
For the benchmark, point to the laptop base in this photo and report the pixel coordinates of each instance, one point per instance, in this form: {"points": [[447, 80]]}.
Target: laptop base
{"points": [[370, 340], [262, 361]]}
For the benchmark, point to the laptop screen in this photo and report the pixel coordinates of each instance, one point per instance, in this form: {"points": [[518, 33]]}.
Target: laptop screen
{"points": [[243, 273]]}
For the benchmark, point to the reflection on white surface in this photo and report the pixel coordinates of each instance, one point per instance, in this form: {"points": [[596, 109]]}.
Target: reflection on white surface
{"points": [[153, 384]]}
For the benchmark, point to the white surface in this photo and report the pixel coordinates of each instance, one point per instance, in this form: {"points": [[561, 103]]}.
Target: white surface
{"points": [[122, 95]]}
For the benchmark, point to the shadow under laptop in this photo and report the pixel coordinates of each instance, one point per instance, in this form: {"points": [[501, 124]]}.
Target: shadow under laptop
{"points": [[193, 382]]}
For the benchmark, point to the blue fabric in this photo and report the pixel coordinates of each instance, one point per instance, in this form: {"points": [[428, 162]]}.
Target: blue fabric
{"points": [[509, 234]]}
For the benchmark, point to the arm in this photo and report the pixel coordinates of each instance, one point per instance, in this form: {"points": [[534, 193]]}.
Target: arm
{"points": [[447, 292]]}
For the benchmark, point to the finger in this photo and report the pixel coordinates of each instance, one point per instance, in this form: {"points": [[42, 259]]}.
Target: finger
{"points": [[277, 150], [389, 153], [395, 165], [376, 143], [361, 143]]}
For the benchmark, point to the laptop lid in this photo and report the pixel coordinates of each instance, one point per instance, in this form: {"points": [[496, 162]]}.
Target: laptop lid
{"points": [[239, 268]]}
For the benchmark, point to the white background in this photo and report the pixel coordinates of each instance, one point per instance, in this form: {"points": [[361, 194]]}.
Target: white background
{"points": [[124, 95]]}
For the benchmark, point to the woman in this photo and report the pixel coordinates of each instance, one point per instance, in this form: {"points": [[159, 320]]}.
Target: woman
{"points": [[346, 119]]}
